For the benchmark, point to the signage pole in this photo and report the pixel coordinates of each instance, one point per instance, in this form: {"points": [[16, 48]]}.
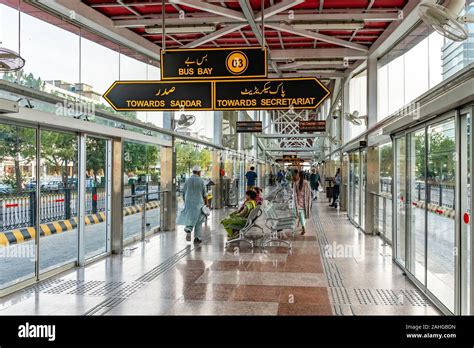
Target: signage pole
{"points": [[163, 32], [262, 5]]}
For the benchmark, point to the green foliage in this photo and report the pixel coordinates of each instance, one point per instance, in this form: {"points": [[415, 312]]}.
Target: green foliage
{"points": [[187, 156], [28, 80], [96, 154], [386, 161], [140, 158], [59, 150], [18, 143]]}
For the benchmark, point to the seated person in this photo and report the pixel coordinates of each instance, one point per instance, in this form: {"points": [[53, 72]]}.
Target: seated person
{"points": [[259, 198], [238, 219]]}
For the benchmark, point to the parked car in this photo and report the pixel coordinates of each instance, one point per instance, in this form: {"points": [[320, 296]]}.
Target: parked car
{"points": [[52, 185], [5, 189]]}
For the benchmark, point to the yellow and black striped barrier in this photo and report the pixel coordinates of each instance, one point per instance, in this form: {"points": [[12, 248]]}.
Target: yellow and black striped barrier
{"points": [[24, 234], [434, 208]]}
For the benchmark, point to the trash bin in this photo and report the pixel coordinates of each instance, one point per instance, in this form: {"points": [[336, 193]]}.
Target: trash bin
{"points": [[329, 185]]}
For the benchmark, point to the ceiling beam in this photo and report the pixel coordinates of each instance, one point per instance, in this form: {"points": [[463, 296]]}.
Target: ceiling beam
{"points": [[319, 75], [215, 35], [204, 18], [329, 53], [207, 7], [275, 9], [283, 136], [317, 36]]}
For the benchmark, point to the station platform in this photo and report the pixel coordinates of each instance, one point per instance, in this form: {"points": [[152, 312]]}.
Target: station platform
{"points": [[334, 269]]}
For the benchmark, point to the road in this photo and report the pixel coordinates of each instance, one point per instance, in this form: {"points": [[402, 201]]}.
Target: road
{"points": [[17, 261]]}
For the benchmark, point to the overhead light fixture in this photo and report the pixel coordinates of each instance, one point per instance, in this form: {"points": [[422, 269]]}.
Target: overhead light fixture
{"points": [[180, 29], [329, 26]]}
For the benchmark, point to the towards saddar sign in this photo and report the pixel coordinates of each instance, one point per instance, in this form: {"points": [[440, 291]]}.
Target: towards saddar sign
{"points": [[269, 94], [213, 63], [160, 95]]}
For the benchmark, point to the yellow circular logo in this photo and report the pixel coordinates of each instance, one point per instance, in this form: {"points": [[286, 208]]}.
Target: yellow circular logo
{"points": [[237, 62]]}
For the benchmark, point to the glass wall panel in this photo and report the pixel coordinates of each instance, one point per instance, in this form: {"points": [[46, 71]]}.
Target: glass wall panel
{"points": [[441, 170], [17, 203], [99, 68], [9, 32], [385, 190], [59, 199], [363, 186], [51, 54], [141, 188], [416, 68], [396, 73], [382, 92]]}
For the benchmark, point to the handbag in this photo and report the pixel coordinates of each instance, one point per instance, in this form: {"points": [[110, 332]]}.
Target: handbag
{"points": [[205, 210]]}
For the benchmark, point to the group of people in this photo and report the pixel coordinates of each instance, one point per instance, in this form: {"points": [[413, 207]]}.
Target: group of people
{"points": [[305, 189]]}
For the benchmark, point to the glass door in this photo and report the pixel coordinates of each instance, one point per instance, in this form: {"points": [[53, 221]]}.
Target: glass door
{"points": [[96, 234], [416, 203], [58, 199], [400, 199], [356, 182], [441, 235], [18, 181], [363, 186], [466, 254]]}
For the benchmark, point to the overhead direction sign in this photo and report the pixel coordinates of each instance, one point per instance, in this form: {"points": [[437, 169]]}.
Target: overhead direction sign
{"points": [[312, 126], [160, 95], [249, 126], [214, 63], [269, 94]]}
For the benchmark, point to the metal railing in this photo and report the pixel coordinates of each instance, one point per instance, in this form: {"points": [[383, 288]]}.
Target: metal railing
{"points": [[383, 217], [442, 194], [17, 209]]}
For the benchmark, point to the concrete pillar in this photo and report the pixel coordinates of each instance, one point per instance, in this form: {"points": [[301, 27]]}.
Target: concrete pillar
{"points": [[116, 208], [346, 131], [168, 179], [344, 182], [371, 91], [373, 179]]}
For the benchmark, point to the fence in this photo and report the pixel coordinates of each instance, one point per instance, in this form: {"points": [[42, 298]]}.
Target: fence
{"points": [[383, 217], [18, 209], [440, 194]]}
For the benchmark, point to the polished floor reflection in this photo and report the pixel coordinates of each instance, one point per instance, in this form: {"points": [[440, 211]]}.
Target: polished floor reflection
{"points": [[333, 270]]}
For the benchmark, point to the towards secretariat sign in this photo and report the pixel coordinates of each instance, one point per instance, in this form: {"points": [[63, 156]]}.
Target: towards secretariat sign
{"points": [[269, 94], [260, 94]]}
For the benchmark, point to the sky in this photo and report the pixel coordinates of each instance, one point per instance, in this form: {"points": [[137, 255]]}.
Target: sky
{"points": [[53, 54]]}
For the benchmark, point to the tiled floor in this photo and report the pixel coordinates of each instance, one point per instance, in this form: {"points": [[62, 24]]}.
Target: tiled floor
{"points": [[168, 276]]}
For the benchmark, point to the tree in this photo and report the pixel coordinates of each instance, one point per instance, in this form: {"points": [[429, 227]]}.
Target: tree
{"points": [[95, 162], [58, 150], [139, 158], [18, 143]]}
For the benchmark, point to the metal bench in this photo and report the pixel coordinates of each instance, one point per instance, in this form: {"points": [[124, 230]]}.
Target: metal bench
{"points": [[251, 219], [276, 222]]}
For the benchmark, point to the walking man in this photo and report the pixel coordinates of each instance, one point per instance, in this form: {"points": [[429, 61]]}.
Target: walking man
{"points": [[251, 178], [337, 188], [195, 197], [315, 181]]}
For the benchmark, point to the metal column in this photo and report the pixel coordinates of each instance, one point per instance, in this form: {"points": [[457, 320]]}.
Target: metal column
{"points": [[217, 162], [168, 179]]}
